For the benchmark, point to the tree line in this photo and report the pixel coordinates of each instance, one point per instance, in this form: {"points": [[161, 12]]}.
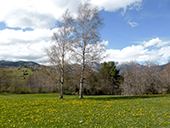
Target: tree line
{"points": [[148, 79], [101, 80]]}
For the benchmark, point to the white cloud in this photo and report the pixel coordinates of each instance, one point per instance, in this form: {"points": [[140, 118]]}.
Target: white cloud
{"points": [[153, 42], [43, 14], [141, 52], [34, 13], [29, 19], [164, 52], [10, 36], [114, 5], [160, 44], [126, 54], [28, 52], [28, 45], [133, 24], [105, 43]]}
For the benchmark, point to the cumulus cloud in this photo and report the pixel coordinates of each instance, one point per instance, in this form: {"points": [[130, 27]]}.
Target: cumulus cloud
{"points": [[34, 13], [164, 52], [141, 52], [27, 52], [126, 54], [29, 19], [28, 45], [160, 44], [114, 5], [9, 36], [43, 14], [153, 42]]}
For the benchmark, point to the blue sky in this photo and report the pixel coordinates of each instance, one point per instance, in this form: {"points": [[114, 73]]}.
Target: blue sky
{"points": [[135, 30], [153, 19]]}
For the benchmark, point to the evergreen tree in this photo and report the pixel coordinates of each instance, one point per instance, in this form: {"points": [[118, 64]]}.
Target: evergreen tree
{"points": [[110, 77]]}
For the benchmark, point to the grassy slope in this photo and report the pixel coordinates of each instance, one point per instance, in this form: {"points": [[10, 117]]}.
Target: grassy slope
{"points": [[22, 72], [46, 110]]}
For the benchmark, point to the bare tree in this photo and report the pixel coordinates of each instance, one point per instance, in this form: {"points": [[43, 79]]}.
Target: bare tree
{"points": [[88, 49], [142, 79], [62, 46], [154, 77], [166, 77]]}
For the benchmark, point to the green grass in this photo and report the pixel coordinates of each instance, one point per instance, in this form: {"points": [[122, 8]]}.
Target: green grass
{"points": [[47, 110], [21, 71]]}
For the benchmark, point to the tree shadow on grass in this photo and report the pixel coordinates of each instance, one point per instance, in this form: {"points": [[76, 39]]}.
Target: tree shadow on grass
{"points": [[123, 97]]}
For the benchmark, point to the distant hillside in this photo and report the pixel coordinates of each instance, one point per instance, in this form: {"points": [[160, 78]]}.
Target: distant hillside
{"points": [[128, 65], [18, 64], [119, 66], [132, 65]]}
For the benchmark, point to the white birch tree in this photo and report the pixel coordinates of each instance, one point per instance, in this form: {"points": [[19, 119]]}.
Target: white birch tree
{"points": [[88, 49], [62, 46]]}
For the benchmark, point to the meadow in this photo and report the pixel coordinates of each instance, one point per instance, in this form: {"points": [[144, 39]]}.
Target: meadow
{"points": [[48, 111]]}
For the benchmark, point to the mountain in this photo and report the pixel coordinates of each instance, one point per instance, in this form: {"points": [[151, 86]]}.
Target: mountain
{"points": [[18, 64], [119, 66], [128, 65], [132, 65]]}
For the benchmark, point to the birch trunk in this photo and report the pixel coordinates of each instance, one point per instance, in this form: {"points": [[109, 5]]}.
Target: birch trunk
{"points": [[82, 75], [62, 76], [81, 88], [61, 85], [61, 90], [81, 83]]}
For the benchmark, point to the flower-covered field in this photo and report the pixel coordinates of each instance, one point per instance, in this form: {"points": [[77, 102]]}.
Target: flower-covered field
{"points": [[48, 111]]}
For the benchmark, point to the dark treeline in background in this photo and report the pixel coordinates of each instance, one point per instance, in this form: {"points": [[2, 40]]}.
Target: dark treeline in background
{"points": [[103, 79]]}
